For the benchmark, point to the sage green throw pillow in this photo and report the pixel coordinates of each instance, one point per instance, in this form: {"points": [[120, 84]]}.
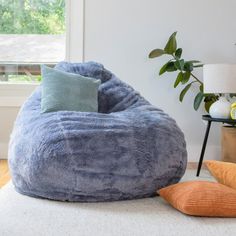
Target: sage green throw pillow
{"points": [[62, 91]]}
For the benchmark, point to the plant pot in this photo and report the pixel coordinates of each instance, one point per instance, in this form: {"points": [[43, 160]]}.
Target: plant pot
{"points": [[228, 144]]}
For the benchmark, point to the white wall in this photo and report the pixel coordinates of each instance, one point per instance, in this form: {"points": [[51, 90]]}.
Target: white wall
{"points": [[120, 34]]}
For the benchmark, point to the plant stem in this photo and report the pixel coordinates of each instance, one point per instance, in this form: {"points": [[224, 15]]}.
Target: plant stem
{"points": [[196, 78], [194, 82]]}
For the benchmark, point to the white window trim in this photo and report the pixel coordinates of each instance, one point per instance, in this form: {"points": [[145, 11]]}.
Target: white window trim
{"points": [[14, 94], [75, 30]]}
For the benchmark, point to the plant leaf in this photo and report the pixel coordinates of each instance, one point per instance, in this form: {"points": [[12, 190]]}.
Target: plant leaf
{"points": [[209, 100], [184, 91], [186, 77], [163, 69], [198, 100], [178, 79], [171, 67], [178, 53], [210, 97], [200, 65], [156, 53], [208, 105], [179, 64], [194, 61], [171, 45], [168, 67], [188, 66]]}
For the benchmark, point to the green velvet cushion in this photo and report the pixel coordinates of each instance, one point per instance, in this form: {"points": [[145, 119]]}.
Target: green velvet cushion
{"points": [[62, 91]]}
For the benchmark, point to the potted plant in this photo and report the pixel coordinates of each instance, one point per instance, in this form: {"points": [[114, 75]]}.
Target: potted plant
{"points": [[184, 70], [185, 77]]}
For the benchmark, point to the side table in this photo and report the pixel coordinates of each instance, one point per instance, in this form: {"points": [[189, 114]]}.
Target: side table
{"points": [[209, 119]]}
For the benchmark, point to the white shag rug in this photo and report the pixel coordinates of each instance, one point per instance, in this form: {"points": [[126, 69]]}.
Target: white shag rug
{"points": [[22, 215]]}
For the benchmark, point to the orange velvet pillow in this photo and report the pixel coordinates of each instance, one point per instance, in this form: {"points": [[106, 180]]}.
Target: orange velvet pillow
{"points": [[201, 198], [223, 172]]}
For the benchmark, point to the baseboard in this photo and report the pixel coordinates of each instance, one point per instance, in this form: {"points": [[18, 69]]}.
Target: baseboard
{"points": [[194, 165], [213, 152]]}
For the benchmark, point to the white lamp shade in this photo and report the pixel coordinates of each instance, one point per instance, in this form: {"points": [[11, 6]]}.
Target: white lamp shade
{"points": [[219, 78]]}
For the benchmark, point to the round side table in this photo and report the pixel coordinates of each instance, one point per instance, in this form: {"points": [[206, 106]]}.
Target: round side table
{"points": [[209, 119]]}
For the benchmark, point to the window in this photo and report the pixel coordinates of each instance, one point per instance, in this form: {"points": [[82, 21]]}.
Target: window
{"points": [[32, 32]]}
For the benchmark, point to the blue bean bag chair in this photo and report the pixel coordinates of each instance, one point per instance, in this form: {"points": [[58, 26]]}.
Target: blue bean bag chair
{"points": [[128, 150]]}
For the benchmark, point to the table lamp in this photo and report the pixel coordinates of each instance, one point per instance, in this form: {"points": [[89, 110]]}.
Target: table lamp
{"points": [[221, 79]]}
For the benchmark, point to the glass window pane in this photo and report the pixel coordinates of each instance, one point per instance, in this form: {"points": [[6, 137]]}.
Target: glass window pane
{"points": [[32, 32]]}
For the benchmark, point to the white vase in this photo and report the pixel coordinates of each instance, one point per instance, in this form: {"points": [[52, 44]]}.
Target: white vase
{"points": [[220, 109]]}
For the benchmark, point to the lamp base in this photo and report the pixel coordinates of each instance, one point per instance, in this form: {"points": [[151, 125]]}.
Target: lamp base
{"points": [[220, 109]]}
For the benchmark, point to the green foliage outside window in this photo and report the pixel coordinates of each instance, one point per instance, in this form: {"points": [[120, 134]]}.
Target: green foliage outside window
{"points": [[32, 16]]}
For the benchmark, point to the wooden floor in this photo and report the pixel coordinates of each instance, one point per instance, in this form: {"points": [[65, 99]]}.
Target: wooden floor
{"points": [[4, 173]]}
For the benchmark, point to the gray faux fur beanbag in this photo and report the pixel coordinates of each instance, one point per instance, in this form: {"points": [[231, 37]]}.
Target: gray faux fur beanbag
{"points": [[127, 150]]}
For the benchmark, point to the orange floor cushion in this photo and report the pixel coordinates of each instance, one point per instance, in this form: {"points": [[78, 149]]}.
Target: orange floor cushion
{"points": [[201, 198], [223, 172]]}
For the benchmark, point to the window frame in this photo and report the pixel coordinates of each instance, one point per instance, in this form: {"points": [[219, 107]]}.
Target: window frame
{"points": [[14, 94], [75, 30]]}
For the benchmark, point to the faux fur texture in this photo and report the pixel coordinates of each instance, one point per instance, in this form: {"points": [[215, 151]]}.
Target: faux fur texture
{"points": [[128, 150]]}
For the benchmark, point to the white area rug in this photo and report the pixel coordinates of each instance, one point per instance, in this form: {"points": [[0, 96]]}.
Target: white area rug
{"points": [[21, 215]]}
